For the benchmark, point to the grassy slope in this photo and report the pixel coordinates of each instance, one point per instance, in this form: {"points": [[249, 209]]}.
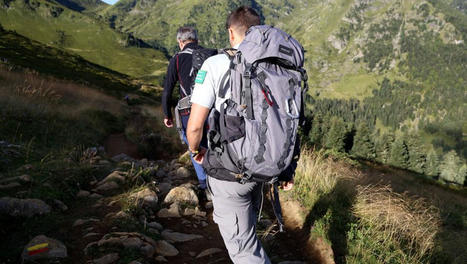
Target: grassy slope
{"points": [[82, 35]]}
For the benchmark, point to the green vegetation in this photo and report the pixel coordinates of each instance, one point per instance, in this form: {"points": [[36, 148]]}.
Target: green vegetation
{"points": [[371, 218], [55, 25]]}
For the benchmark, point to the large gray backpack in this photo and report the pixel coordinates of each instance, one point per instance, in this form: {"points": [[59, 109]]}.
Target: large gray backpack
{"points": [[253, 137]]}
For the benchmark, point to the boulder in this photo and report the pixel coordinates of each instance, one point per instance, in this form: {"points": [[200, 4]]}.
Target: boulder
{"points": [[166, 249], [116, 176], [182, 194], [60, 205], [23, 207], [129, 240], [82, 194], [146, 198], [42, 247]]}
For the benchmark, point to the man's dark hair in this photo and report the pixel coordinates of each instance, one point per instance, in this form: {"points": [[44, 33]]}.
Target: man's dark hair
{"points": [[243, 18]]}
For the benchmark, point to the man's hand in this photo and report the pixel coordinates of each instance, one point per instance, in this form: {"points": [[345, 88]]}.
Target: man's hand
{"points": [[168, 122], [287, 186], [200, 157]]}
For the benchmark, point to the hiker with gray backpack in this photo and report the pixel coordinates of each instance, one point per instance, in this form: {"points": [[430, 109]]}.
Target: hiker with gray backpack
{"points": [[183, 68], [252, 96]]}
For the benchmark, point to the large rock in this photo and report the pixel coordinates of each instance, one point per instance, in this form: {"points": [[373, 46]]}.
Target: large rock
{"points": [[107, 187], [42, 247], [182, 194], [166, 249], [179, 237], [116, 176], [146, 198], [173, 211], [23, 207], [129, 240]]}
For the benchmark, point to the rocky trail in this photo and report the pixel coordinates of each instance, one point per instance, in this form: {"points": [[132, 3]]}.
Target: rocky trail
{"points": [[139, 212]]}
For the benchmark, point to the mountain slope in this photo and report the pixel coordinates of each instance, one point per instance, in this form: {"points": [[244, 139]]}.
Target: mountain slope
{"points": [[58, 26], [397, 66]]}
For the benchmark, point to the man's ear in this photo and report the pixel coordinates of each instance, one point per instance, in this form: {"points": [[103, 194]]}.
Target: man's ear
{"points": [[231, 35]]}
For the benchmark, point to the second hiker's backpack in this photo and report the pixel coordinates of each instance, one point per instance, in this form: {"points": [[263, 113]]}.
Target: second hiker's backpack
{"points": [[253, 136], [198, 58]]}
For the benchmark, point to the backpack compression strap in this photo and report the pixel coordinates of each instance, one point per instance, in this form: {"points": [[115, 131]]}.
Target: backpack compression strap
{"points": [[187, 51]]}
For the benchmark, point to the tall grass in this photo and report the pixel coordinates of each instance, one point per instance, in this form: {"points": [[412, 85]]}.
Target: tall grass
{"points": [[363, 223]]}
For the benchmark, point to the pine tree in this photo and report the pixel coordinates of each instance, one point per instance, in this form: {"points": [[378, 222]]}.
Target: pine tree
{"points": [[452, 169], [432, 163], [383, 153], [417, 156], [363, 146], [335, 137], [399, 153], [316, 134]]}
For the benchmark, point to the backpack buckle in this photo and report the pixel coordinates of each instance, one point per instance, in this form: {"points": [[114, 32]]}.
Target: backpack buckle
{"points": [[288, 108]]}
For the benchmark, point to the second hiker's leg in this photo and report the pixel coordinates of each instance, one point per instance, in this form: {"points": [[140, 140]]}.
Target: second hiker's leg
{"points": [[198, 168], [235, 214]]}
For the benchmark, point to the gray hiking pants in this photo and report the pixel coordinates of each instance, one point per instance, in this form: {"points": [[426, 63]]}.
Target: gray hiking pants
{"points": [[235, 211]]}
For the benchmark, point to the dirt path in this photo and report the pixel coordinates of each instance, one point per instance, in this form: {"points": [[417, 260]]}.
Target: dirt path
{"points": [[118, 143]]}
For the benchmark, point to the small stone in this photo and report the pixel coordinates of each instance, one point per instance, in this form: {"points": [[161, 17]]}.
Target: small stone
{"points": [[104, 162], [91, 235], [191, 253], [107, 259], [95, 196], [160, 173], [60, 205], [147, 250], [208, 205], [154, 231], [55, 249], [208, 252], [183, 173], [185, 222], [179, 237], [88, 248], [166, 249], [198, 212], [155, 225], [161, 259], [112, 203], [80, 222], [189, 211], [164, 187], [25, 178], [116, 176], [204, 224], [89, 229], [122, 157], [83, 194]]}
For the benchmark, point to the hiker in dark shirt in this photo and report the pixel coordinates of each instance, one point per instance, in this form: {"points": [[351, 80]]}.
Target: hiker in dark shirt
{"points": [[180, 70]]}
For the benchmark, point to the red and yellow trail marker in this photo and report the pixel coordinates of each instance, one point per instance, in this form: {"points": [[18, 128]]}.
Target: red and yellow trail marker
{"points": [[39, 248]]}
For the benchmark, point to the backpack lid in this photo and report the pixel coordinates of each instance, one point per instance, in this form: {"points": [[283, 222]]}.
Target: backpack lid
{"points": [[265, 41]]}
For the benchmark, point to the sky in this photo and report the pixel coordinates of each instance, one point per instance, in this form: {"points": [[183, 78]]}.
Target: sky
{"points": [[110, 2]]}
